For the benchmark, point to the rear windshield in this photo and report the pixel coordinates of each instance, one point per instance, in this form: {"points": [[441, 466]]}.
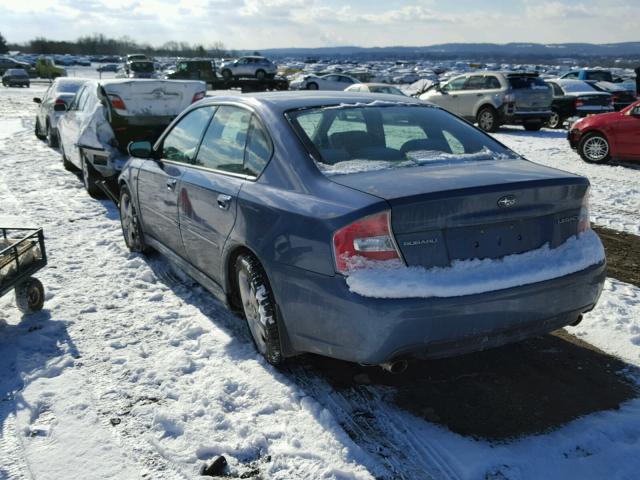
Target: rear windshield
{"points": [[17, 72], [521, 83], [600, 76], [577, 87], [144, 67], [352, 139]]}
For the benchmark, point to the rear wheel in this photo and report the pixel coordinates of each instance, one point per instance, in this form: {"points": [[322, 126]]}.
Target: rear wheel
{"points": [[533, 127], [487, 119], [261, 74], [30, 295], [226, 74], [131, 230], [594, 148], [259, 307], [312, 86], [90, 177]]}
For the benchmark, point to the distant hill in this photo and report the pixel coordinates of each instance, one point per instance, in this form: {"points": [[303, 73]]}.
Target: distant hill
{"points": [[475, 50]]}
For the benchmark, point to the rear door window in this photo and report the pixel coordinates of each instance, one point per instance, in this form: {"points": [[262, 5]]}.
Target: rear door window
{"points": [[599, 76], [475, 82], [527, 83], [223, 145]]}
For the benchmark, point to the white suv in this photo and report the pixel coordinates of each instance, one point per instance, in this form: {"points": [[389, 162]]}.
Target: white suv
{"points": [[492, 99], [258, 67]]}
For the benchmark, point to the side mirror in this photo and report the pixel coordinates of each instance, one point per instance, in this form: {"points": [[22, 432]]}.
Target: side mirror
{"points": [[60, 107], [140, 149], [37, 100]]}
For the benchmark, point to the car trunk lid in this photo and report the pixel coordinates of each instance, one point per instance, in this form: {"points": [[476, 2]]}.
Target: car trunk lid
{"points": [[497, 208]]}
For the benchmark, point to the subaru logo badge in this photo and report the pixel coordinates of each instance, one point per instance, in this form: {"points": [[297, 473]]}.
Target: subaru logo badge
{"points": [[507, 201]]}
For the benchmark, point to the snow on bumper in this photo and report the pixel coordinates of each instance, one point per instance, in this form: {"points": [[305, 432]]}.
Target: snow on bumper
{"points": [[470, 277]]}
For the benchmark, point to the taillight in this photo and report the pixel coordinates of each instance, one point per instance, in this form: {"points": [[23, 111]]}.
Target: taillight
{"points": [[197, 96], [584, 222], [117, 102], [579, 102], [364, 242], [614, 99], [60, 101]]}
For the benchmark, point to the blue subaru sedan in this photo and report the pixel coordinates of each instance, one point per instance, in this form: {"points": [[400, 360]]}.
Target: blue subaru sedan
{"points": [[363, 227]]}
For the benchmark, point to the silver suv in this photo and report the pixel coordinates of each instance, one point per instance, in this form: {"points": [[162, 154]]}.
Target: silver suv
{"points": [[258, 67], [492, 99]]}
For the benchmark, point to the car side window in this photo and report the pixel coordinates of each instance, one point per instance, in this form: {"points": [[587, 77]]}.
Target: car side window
{"points": [[571, 75], [475, 82], [455, 84], [492, 83], [224, 142], [258, 150], [332, 78], [181, 144], [556, 89]]}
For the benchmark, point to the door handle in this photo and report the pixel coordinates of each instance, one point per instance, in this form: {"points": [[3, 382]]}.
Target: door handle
{"points": [[171, 184], [224, 201]]}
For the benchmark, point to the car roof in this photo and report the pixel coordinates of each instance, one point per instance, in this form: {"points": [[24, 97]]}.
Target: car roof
{"points": [[284, 101]]}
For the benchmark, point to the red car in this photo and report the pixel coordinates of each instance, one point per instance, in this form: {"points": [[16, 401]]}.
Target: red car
{"points": [[602, 137]]}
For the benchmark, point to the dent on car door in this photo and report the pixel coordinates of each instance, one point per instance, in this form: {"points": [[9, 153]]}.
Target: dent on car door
{"points": [[159, 180], [209, 190]]}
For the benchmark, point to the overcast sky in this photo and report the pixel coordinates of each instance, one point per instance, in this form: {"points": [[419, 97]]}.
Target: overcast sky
{"points": [[257, 24]]}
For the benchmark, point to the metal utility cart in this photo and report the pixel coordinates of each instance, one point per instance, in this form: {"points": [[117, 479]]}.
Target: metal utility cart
{"points": [[22, 253]]}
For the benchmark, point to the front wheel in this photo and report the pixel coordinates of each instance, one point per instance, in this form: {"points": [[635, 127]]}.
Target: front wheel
{"points": [[30, 296], [261, 74], [259, 308], [312, 86], [226, 74], [555, 120], [131, 230], [37, 130], [487, 119], [594, 148], [52, 137]]}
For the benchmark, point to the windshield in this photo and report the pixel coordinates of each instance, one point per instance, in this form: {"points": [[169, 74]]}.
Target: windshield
{"points": [[17, 72], [351, 139], [144, 67], [69, 87], [519, 83], [385, 89]]}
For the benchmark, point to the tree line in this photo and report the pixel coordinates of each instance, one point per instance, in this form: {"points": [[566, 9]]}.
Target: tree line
{"points": [[99, 44]]}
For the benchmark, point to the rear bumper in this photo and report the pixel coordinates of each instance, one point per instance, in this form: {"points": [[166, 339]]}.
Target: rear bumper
{"points": [[322, 316]]}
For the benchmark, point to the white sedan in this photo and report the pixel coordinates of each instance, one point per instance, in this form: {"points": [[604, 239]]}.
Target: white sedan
{"points": [[332, 81], [375, 88]]}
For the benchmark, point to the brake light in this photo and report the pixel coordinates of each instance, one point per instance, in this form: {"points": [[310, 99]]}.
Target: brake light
{"points": [[60, 101], [614, 99], [579, 102], [584, 222], [117, 102], [365, 242], [197, 96]]}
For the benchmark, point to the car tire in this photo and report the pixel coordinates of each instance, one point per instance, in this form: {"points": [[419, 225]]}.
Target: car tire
{"points": [[555, 120], [130, 222], [29, 296], [533, 127], [90, 177], [52, 138], [226, 74], [65, 161], [312, 86], [261, 74], [37, 130], [259, 308], [594, 148], [487, 119]]}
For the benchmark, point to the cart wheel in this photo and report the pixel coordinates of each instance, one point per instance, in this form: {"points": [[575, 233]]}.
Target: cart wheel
{"points": [[30, 296]]}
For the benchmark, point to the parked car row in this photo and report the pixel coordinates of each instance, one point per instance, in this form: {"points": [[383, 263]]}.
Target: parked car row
{"points": [[277, 202]]}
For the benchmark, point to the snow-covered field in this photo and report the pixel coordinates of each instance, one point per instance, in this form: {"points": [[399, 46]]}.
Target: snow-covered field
{"points": [[133, 371]]}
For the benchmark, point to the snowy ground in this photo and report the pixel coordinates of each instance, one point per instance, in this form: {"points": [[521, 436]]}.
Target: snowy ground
{"points": [[132, 370]]}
